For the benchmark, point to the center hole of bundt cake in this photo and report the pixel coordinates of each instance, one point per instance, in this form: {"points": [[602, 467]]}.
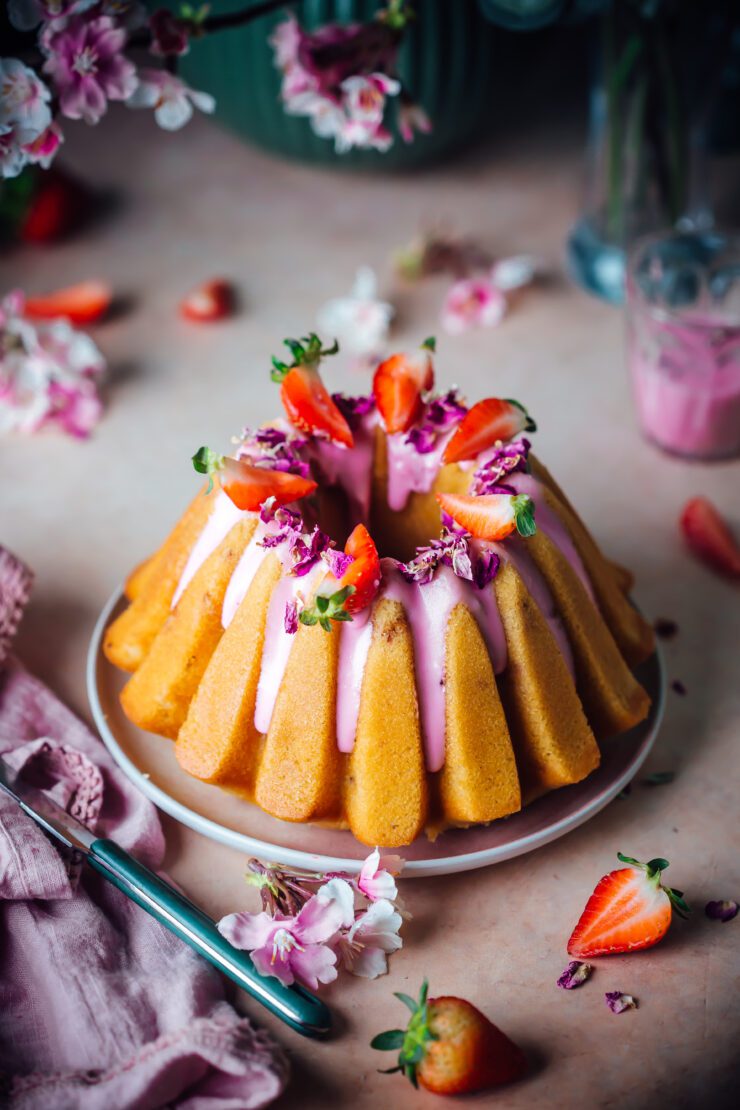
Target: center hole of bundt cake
{"points": [[396, 534]]}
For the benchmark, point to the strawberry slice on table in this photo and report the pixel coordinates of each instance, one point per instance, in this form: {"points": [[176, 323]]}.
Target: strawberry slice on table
{"points": [[364, 573], [80, 304], [450, 1048], [484, 425], [630, 909], [249, 486], [212, 300], [306, 400], [493, 516], [58, 205], [708, 536], [398, 385]]}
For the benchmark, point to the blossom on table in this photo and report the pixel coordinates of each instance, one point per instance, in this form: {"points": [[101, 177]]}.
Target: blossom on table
{"points": [[365, 948], [86, 64], [49, 374], [360, 321], [376, 879], [171, 99], [472, 302]]}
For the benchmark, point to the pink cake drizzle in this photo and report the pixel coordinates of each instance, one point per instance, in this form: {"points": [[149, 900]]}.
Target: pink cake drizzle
{"points": [[409, 471]]}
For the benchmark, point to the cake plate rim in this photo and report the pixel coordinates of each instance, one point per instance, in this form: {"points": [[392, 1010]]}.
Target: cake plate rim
{"points": [[98, 669]]}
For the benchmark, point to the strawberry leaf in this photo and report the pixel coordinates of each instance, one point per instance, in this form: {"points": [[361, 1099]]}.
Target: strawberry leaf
{"points": [[206, 461], [429, 344], [327, 608], [523, 507], [386, 1042], [407, 1000], [529, 425]]}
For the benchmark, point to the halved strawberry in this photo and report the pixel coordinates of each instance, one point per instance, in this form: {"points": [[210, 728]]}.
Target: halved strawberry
{"points": [[398, 385], [484, 425], [709, 538], [310, 408], [249, 486], [81, 304], [630, 909], [364, 572], [213, 300], [58, 205], [493, 516]]}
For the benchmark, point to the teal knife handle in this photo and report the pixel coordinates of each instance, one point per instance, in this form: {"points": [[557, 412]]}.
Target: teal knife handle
{"points": [[297, 1007]]}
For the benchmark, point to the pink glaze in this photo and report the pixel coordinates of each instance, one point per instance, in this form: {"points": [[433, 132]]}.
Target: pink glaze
{"points": [[278, 642], [244, 572], [356, 636], [551, 525], [351, 470], [428, 609], [409, 471], [224, 515], [688, 393]]}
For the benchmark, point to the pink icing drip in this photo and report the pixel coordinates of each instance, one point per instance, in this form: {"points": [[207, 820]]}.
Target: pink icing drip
{"points": [[354, 645], [278, 642], [244, 572], [428, 608], [551, 525], [224, 515], [351, 470], [409, 471]]}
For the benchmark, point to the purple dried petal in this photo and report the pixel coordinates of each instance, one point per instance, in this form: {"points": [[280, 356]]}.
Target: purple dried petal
{"points": [[721, 911], [485, 569], [441, 413], [507, 459], [575, 975], [618, 1002], [267, 510], [291, 617], [423, 439], [274, 449], [338, 562], [306, 550], [353, 408]]}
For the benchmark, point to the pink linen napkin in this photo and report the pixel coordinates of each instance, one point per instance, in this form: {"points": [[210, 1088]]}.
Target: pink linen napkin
{"points": [[101, 1008]]}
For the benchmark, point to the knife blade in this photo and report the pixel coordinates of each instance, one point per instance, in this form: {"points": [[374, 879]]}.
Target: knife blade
{"points": [[294, 1005]]}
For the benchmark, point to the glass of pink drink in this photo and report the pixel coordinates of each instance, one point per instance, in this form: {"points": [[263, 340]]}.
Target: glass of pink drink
{"points": [[683, 341]]}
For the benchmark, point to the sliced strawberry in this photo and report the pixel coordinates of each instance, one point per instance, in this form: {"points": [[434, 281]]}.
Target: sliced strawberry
{"points": [[493, 516], [484, 425], [364, 572], [398, 385], [250, 486], [630, 909], [309, 406], [81, 304], [213, 300], [59, 204], [709, 538]]}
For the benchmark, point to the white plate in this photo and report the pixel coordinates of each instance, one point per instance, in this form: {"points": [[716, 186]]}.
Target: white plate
{"points": [[149, 762]]}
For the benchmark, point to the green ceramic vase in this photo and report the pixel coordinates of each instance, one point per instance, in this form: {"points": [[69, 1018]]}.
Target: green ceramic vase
{"points": [[446, 61]]}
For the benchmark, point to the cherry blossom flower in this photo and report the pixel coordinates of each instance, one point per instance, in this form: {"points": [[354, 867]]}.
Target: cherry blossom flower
{"points": [[23, 100], [292, 948], [514, 273], [87, 66], [13, 158], [169, 35], [171, 99], [364, 97], [374, 935], [43, 149], [472, 302], [360, 321], [375, 879]]}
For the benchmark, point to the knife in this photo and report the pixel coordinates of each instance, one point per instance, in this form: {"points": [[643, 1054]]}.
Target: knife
{"points": [[297, 1007]]}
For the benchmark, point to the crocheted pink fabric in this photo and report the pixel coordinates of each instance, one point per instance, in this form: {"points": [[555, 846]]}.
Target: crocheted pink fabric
{"points": [[101, 1008]]}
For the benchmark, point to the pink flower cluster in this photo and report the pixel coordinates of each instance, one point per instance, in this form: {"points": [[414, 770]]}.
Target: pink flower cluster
{"points": [[482, 301], [340, 78], [49, 374], [310, 925]]}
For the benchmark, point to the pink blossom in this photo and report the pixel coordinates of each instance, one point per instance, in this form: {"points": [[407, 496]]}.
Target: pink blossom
{"points": [[364, 97], [375, 881], [293, 948], [472, 302], [374, 935], [169, 35], [171, 99], [411, 118], [86, 63], [76, 408], [23, 100], [43, 149], [285, 41]]}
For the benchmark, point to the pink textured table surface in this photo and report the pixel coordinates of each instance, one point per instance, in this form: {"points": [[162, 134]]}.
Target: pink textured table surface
{"points": [[200, 204]]}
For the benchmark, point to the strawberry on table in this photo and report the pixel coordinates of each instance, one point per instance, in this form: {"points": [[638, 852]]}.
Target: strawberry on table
{"points": [[487, 423], [212, 300], [451, 1048], [708, 536], [59, 203], [630, 909], [398, 386], [364, 572], [306, 400], [81, 304], [249, 486], [492, 516]]}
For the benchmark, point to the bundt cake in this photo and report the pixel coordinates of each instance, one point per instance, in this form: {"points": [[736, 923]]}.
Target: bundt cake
{"points": [[382, 613]]}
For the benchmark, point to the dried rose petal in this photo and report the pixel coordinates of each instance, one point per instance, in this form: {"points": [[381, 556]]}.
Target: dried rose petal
{"points": [[441, 413], [507, 459], [722, 910], [291, 618], [678, 687], [353, 408], [575, 974], [618, 1002], [338, 562], [274, 449], [452, 549]]}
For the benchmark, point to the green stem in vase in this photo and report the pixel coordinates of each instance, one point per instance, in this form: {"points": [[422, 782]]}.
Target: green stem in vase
{"points": [[674, 130], [618, 74]]}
